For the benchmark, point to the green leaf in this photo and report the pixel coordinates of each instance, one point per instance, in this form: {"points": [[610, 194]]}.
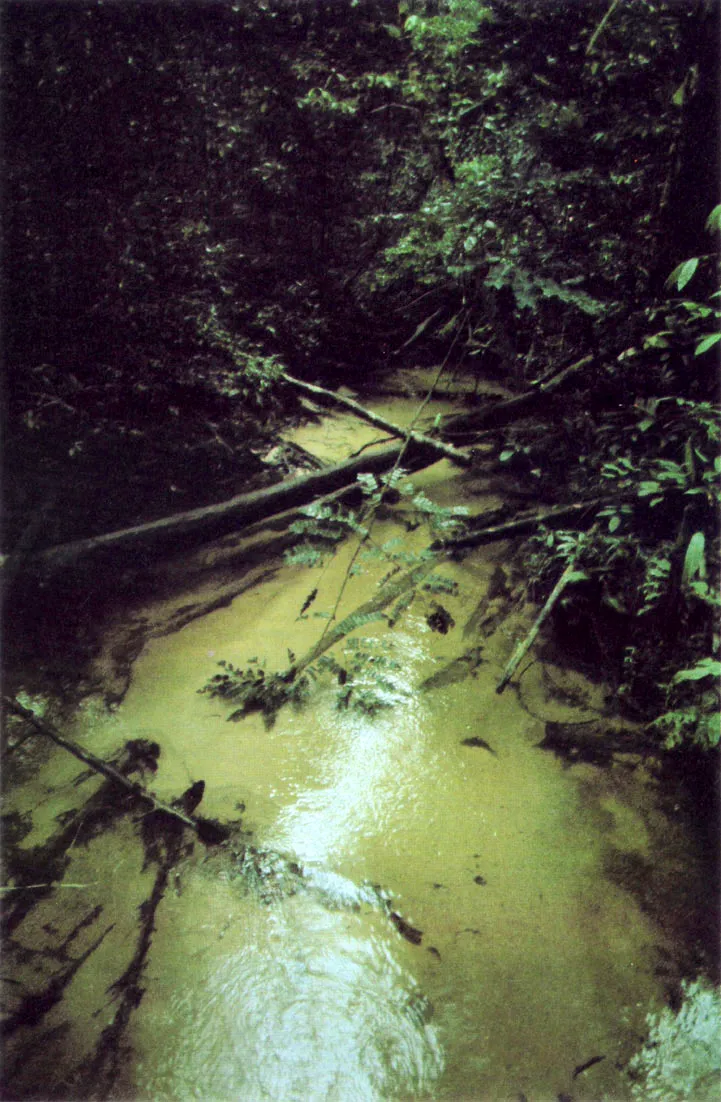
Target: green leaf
{"points": [[698, 309], [368, 482], [706, 343], [683, 273], [713, 222], [694, 564], [707, 667], [657, 340]]}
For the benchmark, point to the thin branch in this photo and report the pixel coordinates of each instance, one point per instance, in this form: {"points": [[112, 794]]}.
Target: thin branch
{"points": [[600, 28], [389, 482], [570, 574], [448, 450], [97, 764]]}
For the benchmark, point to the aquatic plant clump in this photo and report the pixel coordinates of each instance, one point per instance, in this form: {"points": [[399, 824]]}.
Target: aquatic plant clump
{"points": [[682, 1056]]}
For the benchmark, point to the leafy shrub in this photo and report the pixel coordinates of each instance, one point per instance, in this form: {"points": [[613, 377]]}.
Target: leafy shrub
{"points": [[693, 713], [680, 1059]]}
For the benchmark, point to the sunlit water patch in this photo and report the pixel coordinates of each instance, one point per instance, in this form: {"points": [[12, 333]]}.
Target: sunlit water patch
{"points": [[367, 780], [300, 1002]]}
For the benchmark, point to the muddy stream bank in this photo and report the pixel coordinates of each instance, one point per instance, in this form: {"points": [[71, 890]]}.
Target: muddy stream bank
{"points": [[414, 903]]}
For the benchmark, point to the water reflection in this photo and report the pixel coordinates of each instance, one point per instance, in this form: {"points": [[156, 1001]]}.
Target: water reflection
{"points": [[305, 1003], [369, 782], [369, 778]]}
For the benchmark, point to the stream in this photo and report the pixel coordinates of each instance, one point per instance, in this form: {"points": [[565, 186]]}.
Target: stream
{"points": [[434, 908]]}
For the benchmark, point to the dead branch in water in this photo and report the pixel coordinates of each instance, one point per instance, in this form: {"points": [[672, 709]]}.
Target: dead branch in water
{"points": [[516, 526], [503, 413], [102, 767], [447, 450]]}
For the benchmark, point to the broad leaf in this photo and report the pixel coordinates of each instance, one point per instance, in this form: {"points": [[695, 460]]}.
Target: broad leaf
{"points": [[706, 343], [694, 564], [707, 667], [683, 273], [713, 222]]}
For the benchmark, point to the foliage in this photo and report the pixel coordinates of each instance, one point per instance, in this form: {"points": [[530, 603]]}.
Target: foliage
{"points": [[326, 524], [652, 557], [302, 170], [525, 226], [202, 194], [693, 701], [252, 690], [254, 372], [680, 1059], [368, 679]]}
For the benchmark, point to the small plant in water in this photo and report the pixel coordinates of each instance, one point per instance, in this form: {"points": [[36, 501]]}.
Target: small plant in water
{"points": [[253, 691], [369, 679]]}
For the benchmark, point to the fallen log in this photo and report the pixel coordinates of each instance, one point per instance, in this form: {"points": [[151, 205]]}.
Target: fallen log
{"points": [[462, 458], [182, 531], [503, 413]]}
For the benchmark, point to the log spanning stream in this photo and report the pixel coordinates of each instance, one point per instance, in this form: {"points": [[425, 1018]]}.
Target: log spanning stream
{"points": [[425, 904]]}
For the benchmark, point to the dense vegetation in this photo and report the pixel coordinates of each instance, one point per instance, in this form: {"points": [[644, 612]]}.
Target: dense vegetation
{"points": [[201, 196]]}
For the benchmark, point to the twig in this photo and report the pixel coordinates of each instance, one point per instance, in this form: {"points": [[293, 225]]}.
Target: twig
{"points": [[52, 884], [599, 29], [388, 482], [370, 444], [218, 438]]}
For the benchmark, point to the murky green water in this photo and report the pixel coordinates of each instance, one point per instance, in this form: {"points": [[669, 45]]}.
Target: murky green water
{"points": [[532, 960]]}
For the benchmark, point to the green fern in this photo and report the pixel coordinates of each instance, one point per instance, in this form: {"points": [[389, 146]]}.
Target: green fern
{"points": [[401, 607], [656, 579], [304, 554], [358, 620], [371, 678]]}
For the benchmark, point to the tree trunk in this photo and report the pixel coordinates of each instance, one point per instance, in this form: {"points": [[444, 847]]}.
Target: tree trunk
{"points": [[503, 413], [135, 546]]}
